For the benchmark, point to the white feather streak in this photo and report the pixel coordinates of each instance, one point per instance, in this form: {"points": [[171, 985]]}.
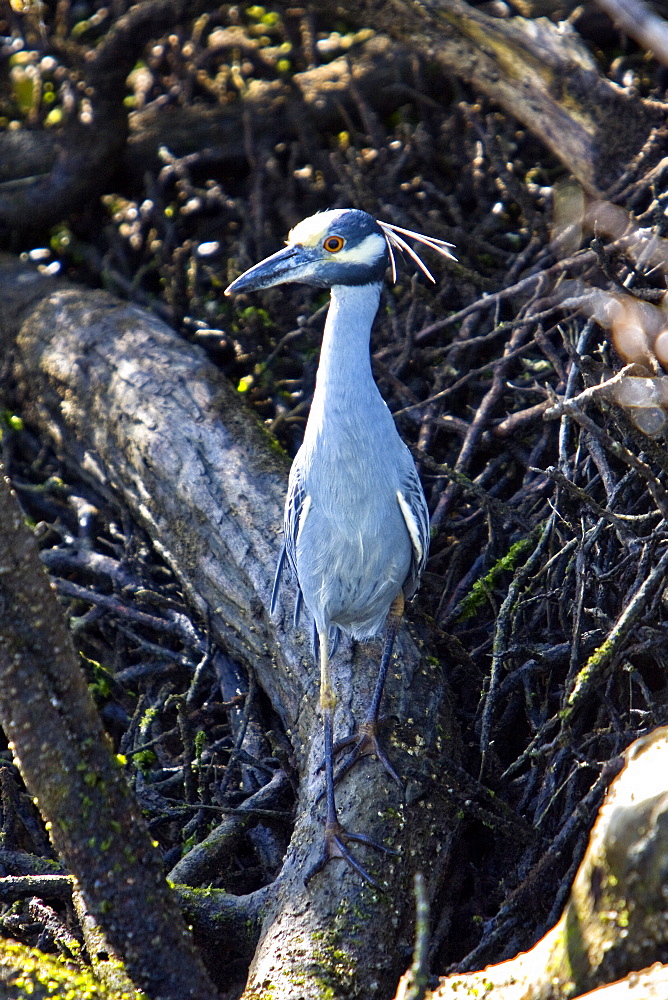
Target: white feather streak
{"points": [[306, 506], [411, 524]]}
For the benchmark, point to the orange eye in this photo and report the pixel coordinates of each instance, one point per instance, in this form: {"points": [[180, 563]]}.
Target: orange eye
{"points": [[334, 243]]}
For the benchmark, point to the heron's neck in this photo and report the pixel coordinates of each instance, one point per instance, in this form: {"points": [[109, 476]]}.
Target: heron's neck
{"points": [[344, 357]]}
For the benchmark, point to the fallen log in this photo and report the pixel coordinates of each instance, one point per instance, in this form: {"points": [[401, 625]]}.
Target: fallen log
{"points": [[152, 423]]}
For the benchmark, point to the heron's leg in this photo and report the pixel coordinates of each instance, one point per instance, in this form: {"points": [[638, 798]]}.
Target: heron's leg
{"points": [[335, 835], [365, 740], [328, 706]]}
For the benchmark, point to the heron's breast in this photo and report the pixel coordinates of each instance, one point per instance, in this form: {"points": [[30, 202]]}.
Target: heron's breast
{"points": [[353, 556]]}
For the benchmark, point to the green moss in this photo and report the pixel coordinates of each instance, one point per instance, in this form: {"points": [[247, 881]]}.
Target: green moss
{"points": [[200, 740], [592, 668], [148, 716], [144, 759], [10, 421], [255, 313], [100, 686], [273, 442], [337, 964], [39, 976], [482, 587]]}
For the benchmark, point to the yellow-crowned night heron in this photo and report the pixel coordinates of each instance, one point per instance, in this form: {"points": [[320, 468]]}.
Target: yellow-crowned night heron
{"points": [[356, 520]]}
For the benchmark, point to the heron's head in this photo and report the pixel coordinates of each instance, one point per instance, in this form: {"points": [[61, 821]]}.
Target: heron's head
{"points": [[341, 247]]}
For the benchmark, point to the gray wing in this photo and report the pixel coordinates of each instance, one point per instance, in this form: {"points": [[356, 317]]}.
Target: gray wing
{"points": [[295, 505], [277, 579], [416, 515], [277, 582]]}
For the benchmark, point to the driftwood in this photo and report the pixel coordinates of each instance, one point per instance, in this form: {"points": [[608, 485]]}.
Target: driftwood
{"points": [[614, 923], [147, 418]]}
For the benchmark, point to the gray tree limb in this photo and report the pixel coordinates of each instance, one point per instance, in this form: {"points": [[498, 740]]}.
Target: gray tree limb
{"points": [[637, 19]]}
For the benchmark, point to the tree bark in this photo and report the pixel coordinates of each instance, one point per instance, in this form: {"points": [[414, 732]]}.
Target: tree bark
{"points": [[68, 765], [148, 418]]}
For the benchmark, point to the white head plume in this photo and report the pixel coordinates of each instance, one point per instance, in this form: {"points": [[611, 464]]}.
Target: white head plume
{"points": [[394, 239]]}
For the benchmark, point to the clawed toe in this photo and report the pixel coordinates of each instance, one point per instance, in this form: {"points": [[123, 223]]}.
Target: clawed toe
{"points": [[364, 742], [335, 846]]}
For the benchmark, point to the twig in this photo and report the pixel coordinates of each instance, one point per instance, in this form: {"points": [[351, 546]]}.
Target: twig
{"points": [[494, 506], [478, 425], [602, 656], [518, 420], [582, 258], [587, 396], [179, 629], [615, 447], [504, 625], [558, 477], [45, 886], [413, 985], [636, 19], [498, 367]]}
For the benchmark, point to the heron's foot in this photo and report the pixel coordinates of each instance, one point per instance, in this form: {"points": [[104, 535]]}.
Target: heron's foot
{"points": [[336, 846], [364, 742]]}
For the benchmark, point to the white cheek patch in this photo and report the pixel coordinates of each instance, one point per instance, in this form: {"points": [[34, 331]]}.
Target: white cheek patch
{"points": [[314, 231], [367, 252]]}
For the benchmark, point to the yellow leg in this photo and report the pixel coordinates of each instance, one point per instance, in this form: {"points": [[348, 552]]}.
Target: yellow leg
{"points": [[365, 740], [335, 845], [327, 696]]}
